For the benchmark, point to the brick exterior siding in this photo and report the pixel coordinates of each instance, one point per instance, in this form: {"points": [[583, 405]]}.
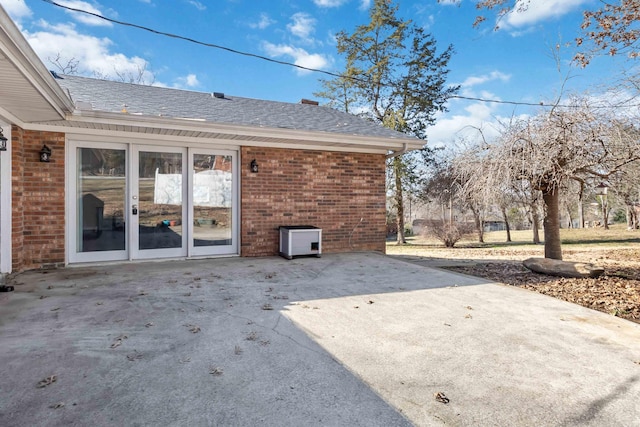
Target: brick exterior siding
{"points": [[330, 190], [37, 193]]}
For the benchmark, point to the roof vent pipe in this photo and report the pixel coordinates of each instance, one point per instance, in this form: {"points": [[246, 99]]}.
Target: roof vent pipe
{"points": [[308, 102], [218, 95]]}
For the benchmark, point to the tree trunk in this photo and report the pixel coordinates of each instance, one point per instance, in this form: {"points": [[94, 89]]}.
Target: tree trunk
{"points": [[397, 170], [632, 217], [478, 223], [580, 207], [535, 223], [506, 222], [552, 246], [605, 212], [570, 224]]}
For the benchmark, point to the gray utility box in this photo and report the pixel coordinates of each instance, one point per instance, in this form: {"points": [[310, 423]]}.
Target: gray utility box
{"points": [[300, 240]]}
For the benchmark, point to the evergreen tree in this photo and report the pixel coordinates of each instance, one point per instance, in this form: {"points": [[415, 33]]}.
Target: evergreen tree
{"points": [[394, 76]]}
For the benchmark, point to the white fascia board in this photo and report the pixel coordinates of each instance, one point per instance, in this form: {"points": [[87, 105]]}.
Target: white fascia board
{"points": [[10, 118], [322, 138], [105, 135], [18, 51]]}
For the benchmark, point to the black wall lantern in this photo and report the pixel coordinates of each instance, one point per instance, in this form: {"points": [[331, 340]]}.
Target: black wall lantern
{"points": [[45, 154], [254, 166], [3, 141]]}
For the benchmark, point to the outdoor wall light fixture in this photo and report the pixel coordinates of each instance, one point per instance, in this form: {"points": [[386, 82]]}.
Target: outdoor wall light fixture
{"points": [[45, 154], [254, 166], [3, 141]]}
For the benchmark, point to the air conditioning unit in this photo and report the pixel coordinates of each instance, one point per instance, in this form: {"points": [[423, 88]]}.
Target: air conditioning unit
{"points": [[296, 240]]}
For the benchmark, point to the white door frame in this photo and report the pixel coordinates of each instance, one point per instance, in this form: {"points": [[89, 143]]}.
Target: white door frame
{"points": [[134, 229], [235, 210], [71, 230], [132, 251], [5, 203]]}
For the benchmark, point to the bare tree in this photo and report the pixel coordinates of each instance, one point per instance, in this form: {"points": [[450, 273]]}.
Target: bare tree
{"points": [[626, 186], [64, 65], [71, 66], [568, 143], [611, 27], [140, 75]]}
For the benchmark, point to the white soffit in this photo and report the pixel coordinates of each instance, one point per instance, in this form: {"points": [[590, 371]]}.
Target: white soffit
{"points": [[28, 92]]}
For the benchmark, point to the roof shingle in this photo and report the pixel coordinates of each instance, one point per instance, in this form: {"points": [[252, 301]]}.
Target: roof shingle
{"points": [[110, 96]]}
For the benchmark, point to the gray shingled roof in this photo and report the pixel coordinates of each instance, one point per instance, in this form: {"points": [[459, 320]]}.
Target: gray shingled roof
{"points": [[110, 96]]}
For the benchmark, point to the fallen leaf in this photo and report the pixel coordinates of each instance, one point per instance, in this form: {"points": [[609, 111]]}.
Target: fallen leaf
{"points": [[440, 397], [47, 381], [215, 371], [118, 341], [134, 356], [193, 328]]}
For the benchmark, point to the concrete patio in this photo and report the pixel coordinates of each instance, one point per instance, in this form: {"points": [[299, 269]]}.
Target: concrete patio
{"points": [[344, 340]]}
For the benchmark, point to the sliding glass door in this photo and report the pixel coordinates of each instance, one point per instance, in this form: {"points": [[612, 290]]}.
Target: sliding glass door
{"points": [[133, 201]]}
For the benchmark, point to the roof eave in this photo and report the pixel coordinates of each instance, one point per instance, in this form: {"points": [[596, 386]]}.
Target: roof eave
{"points": [[17, 50], [124, 119]]}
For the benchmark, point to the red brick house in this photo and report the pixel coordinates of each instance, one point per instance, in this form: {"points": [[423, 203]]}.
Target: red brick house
{"points": [[143, 172]]}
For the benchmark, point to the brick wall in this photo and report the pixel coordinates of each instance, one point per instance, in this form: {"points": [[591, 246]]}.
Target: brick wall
{"points": [[330, 190], [37, 191]]}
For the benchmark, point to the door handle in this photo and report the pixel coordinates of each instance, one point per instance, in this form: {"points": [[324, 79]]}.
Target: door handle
{"points": [[134, 210]]}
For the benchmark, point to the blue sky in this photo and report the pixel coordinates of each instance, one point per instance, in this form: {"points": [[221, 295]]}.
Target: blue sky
{"points": [[513, 64]]}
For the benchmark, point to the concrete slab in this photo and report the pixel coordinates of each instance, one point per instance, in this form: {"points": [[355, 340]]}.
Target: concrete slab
{"points": [[350, 339]]}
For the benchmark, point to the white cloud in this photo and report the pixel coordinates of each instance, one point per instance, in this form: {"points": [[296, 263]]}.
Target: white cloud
{"points": [[303, 25], [466, 117], [197, 5], [92, 53], [83, 17], [527, 13], [17, 9], [190, 80], [263, 23], [365, 4], [450, 128], [329, 3], [300, 56], [477, 80]]}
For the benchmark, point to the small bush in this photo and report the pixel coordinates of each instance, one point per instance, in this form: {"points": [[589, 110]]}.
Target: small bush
{"points": [[448, 234]]}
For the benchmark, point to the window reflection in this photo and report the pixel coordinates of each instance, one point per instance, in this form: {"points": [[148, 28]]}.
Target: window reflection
{"points": [[212, 200], [101, 199]]}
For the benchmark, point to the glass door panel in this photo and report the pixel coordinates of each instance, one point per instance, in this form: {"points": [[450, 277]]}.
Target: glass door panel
{"points": [[212, 200], [101, 195], [157, 203], [97, 212], [213, 209]]}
